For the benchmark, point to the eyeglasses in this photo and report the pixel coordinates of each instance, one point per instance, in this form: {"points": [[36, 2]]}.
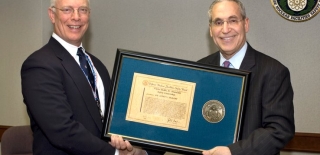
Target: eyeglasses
{"points": [[230, 22], [69, 10]]}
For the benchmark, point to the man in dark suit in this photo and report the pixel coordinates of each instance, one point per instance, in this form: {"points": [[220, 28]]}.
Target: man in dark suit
{"points": [[268, 118], [65, 110]]}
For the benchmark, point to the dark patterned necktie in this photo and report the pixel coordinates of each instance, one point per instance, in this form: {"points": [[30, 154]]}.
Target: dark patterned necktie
{"points": [[84, 64], [226, 64], [85, 67]]}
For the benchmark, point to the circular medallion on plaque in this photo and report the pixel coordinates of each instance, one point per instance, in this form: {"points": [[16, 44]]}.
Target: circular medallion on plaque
{"points": [[213, 111]]}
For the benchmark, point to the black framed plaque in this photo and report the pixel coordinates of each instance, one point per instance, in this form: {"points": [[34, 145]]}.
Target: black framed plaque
{"points": [[174, 105]]}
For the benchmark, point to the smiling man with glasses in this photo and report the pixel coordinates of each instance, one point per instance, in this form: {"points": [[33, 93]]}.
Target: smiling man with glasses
{"points": [[268, 114], [65, 90], [69, 24]]}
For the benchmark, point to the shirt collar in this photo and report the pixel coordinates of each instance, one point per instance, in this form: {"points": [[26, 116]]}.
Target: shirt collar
{"points": [[69, 47], [235, 60]]}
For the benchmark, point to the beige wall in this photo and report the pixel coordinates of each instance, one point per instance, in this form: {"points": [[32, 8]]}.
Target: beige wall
{"points": [[20, 33], [176, 28]]}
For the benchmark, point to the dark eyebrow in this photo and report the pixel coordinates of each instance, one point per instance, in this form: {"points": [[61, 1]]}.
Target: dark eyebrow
{"points": [[217, 19], [231, 17]]}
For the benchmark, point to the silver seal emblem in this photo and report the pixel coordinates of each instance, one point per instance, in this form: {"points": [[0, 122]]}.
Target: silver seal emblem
{"points": [[213, 111]]}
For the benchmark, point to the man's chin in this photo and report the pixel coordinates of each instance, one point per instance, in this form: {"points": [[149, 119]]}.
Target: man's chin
{"points": [[75, 41]]}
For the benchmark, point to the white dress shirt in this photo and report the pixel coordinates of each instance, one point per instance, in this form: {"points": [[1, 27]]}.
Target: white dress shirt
{"points": [[73, 51], [236, 60]]}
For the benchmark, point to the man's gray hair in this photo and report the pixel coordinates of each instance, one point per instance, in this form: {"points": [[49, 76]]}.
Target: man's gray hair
{"points": [[242, 9], [53, 3]]}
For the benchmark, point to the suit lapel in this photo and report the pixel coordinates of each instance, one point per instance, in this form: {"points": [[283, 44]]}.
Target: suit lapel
{"points": [[104, 74], [73, 69], [247, 63], [248, 60], [216, 59], [213, 59]]}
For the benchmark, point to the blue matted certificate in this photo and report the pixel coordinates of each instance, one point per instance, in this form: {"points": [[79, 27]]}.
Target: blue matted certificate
{"points": [[174, 105]]}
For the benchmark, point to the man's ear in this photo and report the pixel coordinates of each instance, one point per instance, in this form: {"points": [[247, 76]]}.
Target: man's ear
{"points": [[51, 15], [247, 24]]}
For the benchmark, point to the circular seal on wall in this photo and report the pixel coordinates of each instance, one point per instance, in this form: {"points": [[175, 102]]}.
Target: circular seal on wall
{"points": [[213, 111], [296, 10]]}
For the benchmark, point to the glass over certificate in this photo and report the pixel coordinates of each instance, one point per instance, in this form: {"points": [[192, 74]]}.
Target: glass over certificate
{"points": [[174, 105], [160, 101]]}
